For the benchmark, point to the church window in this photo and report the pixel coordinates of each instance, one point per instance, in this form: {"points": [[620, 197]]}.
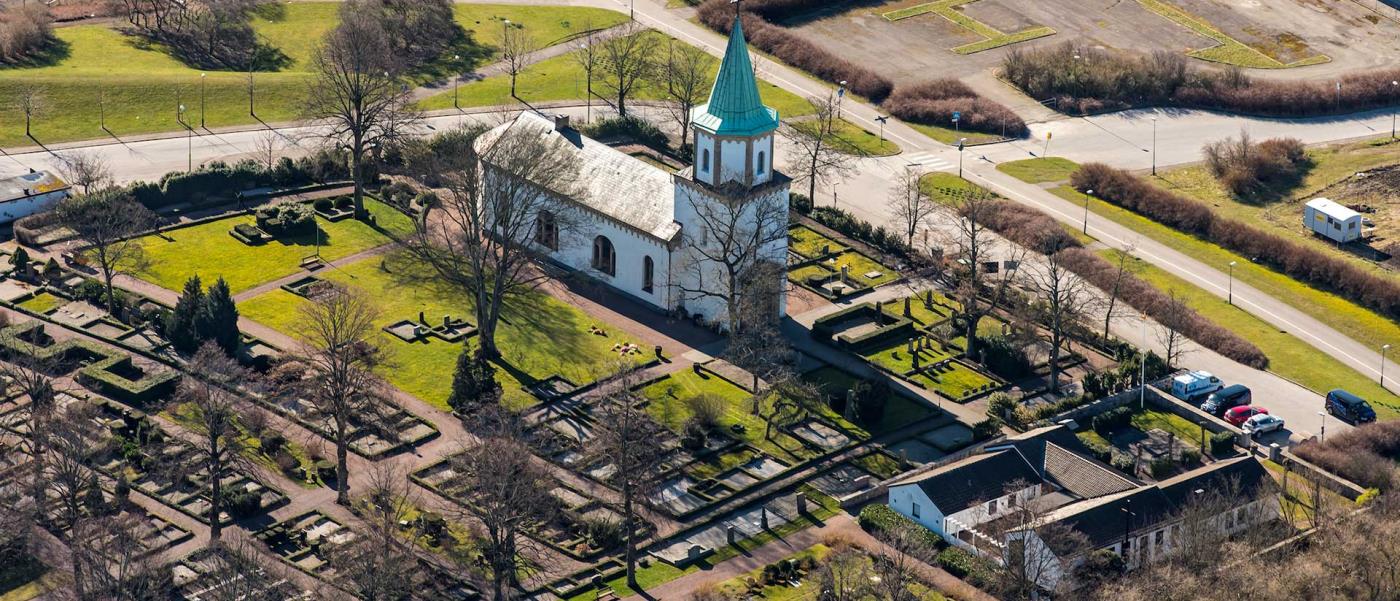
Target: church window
{"points": [[762, 164], [604, 257], [547, 230], [648, 267], [705, 160]]}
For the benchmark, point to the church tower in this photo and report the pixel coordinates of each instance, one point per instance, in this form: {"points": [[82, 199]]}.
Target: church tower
{"points": [[734, 130]]}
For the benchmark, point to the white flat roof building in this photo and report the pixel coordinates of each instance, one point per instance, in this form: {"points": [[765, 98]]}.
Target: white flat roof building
{"points": [[1329, 218]]}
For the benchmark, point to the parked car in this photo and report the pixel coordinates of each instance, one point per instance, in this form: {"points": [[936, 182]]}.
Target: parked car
{"points": [[1349, 407], [1195, 385], [1229, 397], [1237, 416], [1261, 424]]}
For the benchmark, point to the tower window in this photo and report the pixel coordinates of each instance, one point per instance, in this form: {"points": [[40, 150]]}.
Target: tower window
{"points": [[762, 163], [604, 257], [705, 160], [647, 268]]}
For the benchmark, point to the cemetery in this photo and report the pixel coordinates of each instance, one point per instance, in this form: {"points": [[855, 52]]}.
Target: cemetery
{"points": [[830, 268]]}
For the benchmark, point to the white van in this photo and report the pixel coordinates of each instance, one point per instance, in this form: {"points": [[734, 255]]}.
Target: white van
{"points": [[1195, 385]]}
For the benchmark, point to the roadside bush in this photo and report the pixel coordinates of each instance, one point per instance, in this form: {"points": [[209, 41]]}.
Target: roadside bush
{"points": [[934, 102], [26, 30], [1247, 168], [793, 49], [1081, 80], [1365, 455], [1298, 261]]}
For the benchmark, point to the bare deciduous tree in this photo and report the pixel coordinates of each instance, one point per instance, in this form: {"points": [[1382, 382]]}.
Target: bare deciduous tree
{"points": [[517, 48], [265, 149], [1124, 256], [975, 244], [494, 216], [1060, 300], [115, 562], [628, 60], [33, 102], [687, 79], [106, 224], [816, 158], [910, 208], [359, 90], [1172, 322], [87, 170], [632, 442], [845, 575], [511, 489], [907, 546], [337, 332], [68, 479], [29, 376], [589, 57], [734, 255], [379, 562], [214, 410], [239, 571]]}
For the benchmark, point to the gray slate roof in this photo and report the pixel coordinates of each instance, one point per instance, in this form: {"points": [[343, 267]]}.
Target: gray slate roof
{"points": [[612, 183]]}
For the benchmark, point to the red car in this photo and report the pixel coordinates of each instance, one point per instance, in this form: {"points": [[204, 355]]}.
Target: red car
{"points": [[1237, 416]]}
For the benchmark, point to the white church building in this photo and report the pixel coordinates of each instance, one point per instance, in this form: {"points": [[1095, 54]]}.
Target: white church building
{"points": [[651, 233]]}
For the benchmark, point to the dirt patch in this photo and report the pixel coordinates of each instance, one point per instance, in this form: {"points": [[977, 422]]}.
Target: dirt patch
{"points": [[1376, 195]]}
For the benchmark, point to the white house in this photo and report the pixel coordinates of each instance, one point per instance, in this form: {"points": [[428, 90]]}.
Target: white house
{"points": [[24, 195], [660, 236], [1328, 218]]}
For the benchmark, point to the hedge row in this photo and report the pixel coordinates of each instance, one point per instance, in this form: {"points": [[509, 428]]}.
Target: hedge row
{"points": [[104, 378], [1088, 80], [1364, 455], [222, 181], [793, 49], [1294, 259], [934, 102], [1037, 231]]}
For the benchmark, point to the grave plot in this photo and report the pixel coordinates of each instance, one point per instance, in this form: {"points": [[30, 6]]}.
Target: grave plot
{"points": [[303, 542], [576, 514], [383, 430], [164, 468], [195, 580], [830, 268], [1146, 442]]}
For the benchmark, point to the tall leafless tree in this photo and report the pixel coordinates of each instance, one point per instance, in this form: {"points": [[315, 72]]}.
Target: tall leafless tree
{"points": [[87, 170], [1060, 301], [1173, 320], [628, 61], [116, 562], [589, 57], [1124, 256], [338, 332], [844, 575], [30, 378], [265, 149], [106, 224], [497, 199], [910, 208], [379, 562], [907, 547], [239, 571], [687, 80], [68, 479], [518, 46], [33, 102], [975, 245], [734, 256], [511, 491], [817, 158], [632, 442], [215, 409], [359, 90]]}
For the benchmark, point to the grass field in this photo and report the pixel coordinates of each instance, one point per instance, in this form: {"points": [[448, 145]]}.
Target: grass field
{"points": [[207, 249], [1288, 356], [807, 242], [852, 139], [539, 335], [949, 135], [1228, 50], [42, 302], [1039, 170], [140, 86]]}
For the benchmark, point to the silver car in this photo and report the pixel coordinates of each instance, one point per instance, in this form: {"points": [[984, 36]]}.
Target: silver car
{"points": [[1261, 424]]}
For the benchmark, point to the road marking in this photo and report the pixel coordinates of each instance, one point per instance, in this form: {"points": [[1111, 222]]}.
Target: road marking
{"points": [[927, 160]]}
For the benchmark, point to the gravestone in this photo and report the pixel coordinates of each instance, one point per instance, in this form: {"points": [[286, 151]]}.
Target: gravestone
{"points": [[763, 518], [907, 312], [801, 503], [694, 553], [731, 534]]}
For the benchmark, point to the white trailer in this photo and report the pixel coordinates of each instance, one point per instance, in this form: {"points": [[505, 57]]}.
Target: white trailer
{"points": [[1332, 220]]}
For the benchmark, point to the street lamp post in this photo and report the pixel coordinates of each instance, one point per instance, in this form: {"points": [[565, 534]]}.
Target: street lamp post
{"points": [[840, 95], [1230, 291], [202, 77], [881, 120], [1322, 431], [1384, 348], [1154, 145], [1087, 194], [456, 82], [961, 143], [1393, 86], [1142, 364], [102, 107], [189, 141]]}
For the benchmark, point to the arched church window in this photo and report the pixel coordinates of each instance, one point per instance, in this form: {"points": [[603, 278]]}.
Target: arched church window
{"points": [[547, 230], [705, 160], [762, 163], [604, 257], [648, 267]]}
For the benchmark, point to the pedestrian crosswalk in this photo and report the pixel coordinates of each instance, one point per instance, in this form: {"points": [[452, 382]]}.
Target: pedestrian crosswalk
{"points": [[928, 161]]}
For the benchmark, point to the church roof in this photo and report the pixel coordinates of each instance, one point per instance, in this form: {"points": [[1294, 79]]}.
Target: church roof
{"points": [[613, 183], [735, 108]]}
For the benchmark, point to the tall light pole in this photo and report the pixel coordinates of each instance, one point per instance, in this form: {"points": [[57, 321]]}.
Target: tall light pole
{"points": [[961, 143], [1322, 431], [189, 141], [1393, 86], [202, 78], [102, 107], [881, 119], [456, 82], [1087, 194], [1384, 348], [1154, 145], [1142, 363], [1230, 291], [840, 95]]}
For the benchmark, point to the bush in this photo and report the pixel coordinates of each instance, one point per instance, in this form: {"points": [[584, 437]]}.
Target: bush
{"points": [[287, 463], [707, 409], [850, 225], [630, 129], [1123, 463], [1222, 443], [325, 205], [793, 49], [26, 30], [1004, 357], [242, 504], [957, 562], [1296, 260], [289, 219], [272, 442], [1365, 455], [1113, 419], [934, 102], [1087, 80], [985, 429], [1247, 168]]}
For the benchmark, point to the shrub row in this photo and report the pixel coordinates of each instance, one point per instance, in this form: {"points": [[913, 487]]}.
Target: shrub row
{"points": [[221, 180], [794, 50], [1111, 420], [1294, 259], [879, 517], [1088, 80], [934, 102], [1364, 455], [1247, 169], [1222, 443], [847, 223]]}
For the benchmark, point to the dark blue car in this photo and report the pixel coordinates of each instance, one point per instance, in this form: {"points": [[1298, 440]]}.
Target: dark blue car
{"points": [[1349, 407]]}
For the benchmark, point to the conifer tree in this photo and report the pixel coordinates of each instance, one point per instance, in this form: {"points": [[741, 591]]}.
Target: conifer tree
{"points": [[217, 319], [474, 384], [180, 325]]}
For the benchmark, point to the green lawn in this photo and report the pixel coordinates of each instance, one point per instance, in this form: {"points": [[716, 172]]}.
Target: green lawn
{"points": [[207, 249], [894, 357], [1039, 170], [1288, 356], [947, 188], [956, 381], [950, 135], [852, 139], [807, 242], [42, 302], [539, 335], [142, 85], [738, 586], [1148, 419], [858, 265], [561, 78], [669, 396], [899, 410], [942, 308]]}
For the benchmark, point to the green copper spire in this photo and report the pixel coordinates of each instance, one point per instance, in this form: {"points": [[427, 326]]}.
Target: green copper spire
{"points": [[735, 108]]}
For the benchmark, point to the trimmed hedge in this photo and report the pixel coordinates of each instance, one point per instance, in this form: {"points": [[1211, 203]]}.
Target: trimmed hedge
{"points": [[12, 344], [1314, 267], [934, 102], [219, 180], [103, 378], [879, 517]]}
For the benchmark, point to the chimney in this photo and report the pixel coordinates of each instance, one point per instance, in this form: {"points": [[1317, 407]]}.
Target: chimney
{"points": [[561, 122]]}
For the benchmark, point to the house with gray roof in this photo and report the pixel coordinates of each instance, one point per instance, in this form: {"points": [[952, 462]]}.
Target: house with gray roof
{"points": [[663, 237]]}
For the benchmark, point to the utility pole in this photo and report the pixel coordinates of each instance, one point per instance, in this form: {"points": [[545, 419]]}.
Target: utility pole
{"points": [[456, 82], [202, 78], [1087, 195], [1230, 292], [1384, 348], [1154, 145]]}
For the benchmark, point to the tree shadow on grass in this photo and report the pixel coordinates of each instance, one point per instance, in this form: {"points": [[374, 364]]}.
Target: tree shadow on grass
{"points": [[55, 51], [471, 56]]}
